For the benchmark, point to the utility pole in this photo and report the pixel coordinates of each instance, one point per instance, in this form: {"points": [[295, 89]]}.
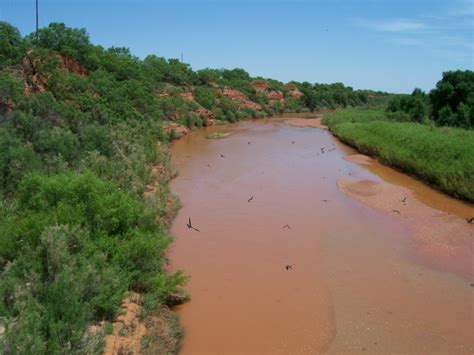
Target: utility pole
{"points": [[181, 57], [37, 34]]}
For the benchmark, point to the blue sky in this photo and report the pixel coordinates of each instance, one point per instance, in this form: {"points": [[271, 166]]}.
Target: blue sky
{"points": [[382, 45]]}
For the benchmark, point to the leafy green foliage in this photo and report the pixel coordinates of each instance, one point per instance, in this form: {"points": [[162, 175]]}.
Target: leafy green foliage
{"points": [[75, 243], [55, 288], [11, 45], [206, 97], [453, 99], [10, 92], [74, 163], [414, 107], [208, 76], [70, 41], [16, 159], [331, 96], [451, 103]]}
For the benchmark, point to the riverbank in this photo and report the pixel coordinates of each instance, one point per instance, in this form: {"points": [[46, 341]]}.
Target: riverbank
{"points": [[441, 157]]}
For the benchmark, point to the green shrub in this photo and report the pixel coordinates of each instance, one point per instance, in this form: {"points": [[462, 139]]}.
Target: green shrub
{"points": [[414, 107], [453, 99], [360, 115], [71, 248], [10, 91], [12, 46]]}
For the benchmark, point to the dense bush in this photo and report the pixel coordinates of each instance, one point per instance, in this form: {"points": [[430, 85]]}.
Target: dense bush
{"points": [[453, 99], [10, 91], [75, 154], [71, 41], [331, 96], [68, 253], [414, 107], [451, 103], [206, 97], [12, 47]]}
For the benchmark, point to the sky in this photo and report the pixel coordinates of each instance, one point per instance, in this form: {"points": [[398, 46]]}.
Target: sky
{"points": [[386, 45]]}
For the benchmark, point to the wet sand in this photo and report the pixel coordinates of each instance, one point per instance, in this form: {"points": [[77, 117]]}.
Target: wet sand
{"points": [[306, 122], [441, 238], [360, 158], [363, 279]]}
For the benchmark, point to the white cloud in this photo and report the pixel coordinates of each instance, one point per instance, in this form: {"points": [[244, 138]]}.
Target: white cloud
{"points": [[398, 25]]}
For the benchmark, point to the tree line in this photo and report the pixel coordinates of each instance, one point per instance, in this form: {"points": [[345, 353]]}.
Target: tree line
{"points": [[450, 103]]}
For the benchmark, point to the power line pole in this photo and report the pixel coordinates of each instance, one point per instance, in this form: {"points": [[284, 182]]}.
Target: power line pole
{"points": [[37, 34], [181, 57]]}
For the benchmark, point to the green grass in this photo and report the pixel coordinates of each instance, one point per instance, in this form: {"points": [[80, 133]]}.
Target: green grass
{"points": [[356, 115], [443, 157]]}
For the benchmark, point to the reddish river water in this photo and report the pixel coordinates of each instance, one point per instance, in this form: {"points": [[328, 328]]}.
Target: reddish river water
{"points": [[362, 279]]}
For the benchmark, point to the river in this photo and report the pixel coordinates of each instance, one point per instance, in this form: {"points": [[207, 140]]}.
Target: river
{"points": [[300, 251]]}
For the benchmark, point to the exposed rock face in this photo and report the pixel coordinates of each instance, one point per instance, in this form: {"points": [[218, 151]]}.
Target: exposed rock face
{"points": [[128, 329], [201, 111], [179, 130], [293, 91], [188, 95], [71, 65], [66, 63], [36, 82], [208, 115], [275, 95], [261, 86], [33, 82], [240, 99], [233, 94]]}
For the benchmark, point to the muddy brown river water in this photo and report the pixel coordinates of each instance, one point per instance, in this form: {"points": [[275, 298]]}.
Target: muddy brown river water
{"points": [[364, 279]]}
